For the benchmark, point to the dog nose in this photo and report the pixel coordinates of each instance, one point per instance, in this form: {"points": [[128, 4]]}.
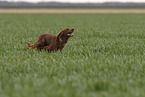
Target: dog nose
{"points": [[72, 29]]}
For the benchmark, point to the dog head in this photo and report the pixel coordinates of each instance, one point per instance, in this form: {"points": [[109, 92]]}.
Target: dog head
{"points": [[65, 34]]}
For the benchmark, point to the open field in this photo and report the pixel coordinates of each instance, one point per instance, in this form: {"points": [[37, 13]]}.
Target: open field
{"points": [[72, 10], [105, 58]]}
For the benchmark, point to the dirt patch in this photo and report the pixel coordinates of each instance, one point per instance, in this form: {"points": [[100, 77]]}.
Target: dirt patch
{"points": [[72, 10]]}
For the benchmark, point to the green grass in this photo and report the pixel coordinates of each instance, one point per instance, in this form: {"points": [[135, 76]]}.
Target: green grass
{"points": [[105, 58]]}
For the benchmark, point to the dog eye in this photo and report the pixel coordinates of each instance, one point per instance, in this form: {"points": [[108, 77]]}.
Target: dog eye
{"points": [[67, 29]]}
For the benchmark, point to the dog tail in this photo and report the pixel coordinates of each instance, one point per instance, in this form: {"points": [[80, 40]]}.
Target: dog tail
{"points": [[30, 46]]}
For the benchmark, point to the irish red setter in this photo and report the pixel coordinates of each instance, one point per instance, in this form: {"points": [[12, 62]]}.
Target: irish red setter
{"points": [[49, 42]]}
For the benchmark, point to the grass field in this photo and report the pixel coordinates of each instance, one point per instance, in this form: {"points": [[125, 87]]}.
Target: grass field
{"points": [[105, 58]]}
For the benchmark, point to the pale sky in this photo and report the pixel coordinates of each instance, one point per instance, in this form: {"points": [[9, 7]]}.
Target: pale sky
{"points": [[80, 1]]}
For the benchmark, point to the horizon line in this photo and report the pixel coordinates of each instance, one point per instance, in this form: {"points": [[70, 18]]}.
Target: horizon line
{"points": [[73, 2]]}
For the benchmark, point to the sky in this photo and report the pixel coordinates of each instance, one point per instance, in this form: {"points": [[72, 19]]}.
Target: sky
{"points": [[79, 1]]}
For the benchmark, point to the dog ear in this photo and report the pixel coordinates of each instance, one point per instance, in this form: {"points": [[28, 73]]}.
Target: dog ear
{"points": [[60, 34]]}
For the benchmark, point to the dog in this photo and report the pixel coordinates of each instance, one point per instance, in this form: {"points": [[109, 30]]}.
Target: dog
{"points": [[50, 42]]}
